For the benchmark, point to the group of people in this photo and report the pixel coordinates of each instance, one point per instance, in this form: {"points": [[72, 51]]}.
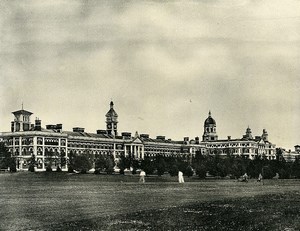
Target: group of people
{"points": [[245, 178], [143, 174]]}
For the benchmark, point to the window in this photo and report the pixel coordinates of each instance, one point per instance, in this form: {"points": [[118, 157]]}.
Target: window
{"points": [[40, 141]]}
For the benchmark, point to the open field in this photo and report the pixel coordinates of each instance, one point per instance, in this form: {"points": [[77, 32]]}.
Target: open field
{"points": [[60, 201]]}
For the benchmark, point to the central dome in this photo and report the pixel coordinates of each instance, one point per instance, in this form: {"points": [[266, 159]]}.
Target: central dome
{"points": [[209, 120]]}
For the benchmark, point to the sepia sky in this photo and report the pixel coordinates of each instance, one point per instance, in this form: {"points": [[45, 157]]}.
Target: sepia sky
{"points": [[165, 64]]}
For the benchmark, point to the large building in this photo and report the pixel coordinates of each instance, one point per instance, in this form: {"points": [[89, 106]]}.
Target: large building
{"points": [[51, 143], [246, 146]]}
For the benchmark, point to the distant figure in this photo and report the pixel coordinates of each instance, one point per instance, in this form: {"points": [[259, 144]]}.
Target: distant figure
{"points": [[245, 178], [142, 176], [260, 177], [276, 177], [180, 177]]}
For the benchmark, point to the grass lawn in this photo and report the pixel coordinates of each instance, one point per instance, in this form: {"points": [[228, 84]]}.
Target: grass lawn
{"points": [[60, 201]]}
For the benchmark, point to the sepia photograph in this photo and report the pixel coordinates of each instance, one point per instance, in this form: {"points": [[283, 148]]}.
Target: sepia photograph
{"points": [[149, 115]]}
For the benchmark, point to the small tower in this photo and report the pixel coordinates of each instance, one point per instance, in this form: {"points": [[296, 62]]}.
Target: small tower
{"points": [[112, 121], [264, 136], [210, 133], [248, 135], [21, 121]]}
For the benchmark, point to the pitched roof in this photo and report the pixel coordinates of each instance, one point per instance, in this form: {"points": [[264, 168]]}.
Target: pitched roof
{"points": [[112, 113], [22, 111]]}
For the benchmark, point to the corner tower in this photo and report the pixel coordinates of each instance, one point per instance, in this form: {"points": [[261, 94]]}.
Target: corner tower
{"points": [[210, 133], [21, 121], [112, 121], [248, 135]]}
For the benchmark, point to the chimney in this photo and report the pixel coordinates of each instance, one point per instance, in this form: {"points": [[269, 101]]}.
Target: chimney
{"points": [[103, 132], [38, 124], [197, 140], [160, 137], [78, 129], [126, 135], [186, 139], [12, 126], [59, 127], [229, 137], [144, 136]]}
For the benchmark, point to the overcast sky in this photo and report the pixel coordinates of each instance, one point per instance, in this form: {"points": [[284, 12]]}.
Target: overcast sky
{"points": [[164, 64]]}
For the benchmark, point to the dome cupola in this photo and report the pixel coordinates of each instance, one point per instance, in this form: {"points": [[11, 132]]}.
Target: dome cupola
{"points": [[209, 120], [210, 132]]}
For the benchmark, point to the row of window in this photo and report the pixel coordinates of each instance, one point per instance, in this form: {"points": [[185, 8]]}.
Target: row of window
{"points": [[29, 141], [94, 146], [231, 145]]}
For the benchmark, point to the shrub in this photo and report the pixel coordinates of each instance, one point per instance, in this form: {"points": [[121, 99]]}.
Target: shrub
{"points": [[97, 171], [13, 168], [109, 165], [201, 171], [70, 169], [48, 168], [147, 165], [268, 173], [283, 174], [173, 170], [189, 171], [133, 171], [160, 165], [81, 163], [31, 168]]}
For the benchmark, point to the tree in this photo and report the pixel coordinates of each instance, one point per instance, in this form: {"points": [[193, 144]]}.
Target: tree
{"points": [[296, 167], [62, 160], [135, 164], [170, 161], [49, 159], [100, 163], [238, 168], [6, 159], [173, 170], [109, 164], [147, 165], [201, 171], [32, 163], [81, 162], [189, 171], [70, 161], [267, 172], [160, 165], [182, 165], [122, 164]]}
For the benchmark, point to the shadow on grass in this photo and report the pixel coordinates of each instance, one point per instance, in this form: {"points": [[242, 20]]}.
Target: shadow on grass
{"points": [[267, 212]]}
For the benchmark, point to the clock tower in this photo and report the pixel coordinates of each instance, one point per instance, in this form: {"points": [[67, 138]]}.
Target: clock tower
{"points": [[112, 121]]}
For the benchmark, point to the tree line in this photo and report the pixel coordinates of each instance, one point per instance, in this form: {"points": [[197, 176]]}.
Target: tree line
{"points": [[200, 165]]}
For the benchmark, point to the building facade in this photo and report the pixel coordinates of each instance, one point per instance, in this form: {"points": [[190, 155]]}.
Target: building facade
{"points": [[290, 155], [247, 146], [52, 144]]}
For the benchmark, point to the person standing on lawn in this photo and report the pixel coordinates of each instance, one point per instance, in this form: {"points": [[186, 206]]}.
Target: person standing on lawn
{"points": [[180, 177], [142, 176], [259, 177]]}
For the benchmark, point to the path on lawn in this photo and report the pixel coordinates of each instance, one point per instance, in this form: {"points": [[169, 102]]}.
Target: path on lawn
{"points": [[32, 200]]}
